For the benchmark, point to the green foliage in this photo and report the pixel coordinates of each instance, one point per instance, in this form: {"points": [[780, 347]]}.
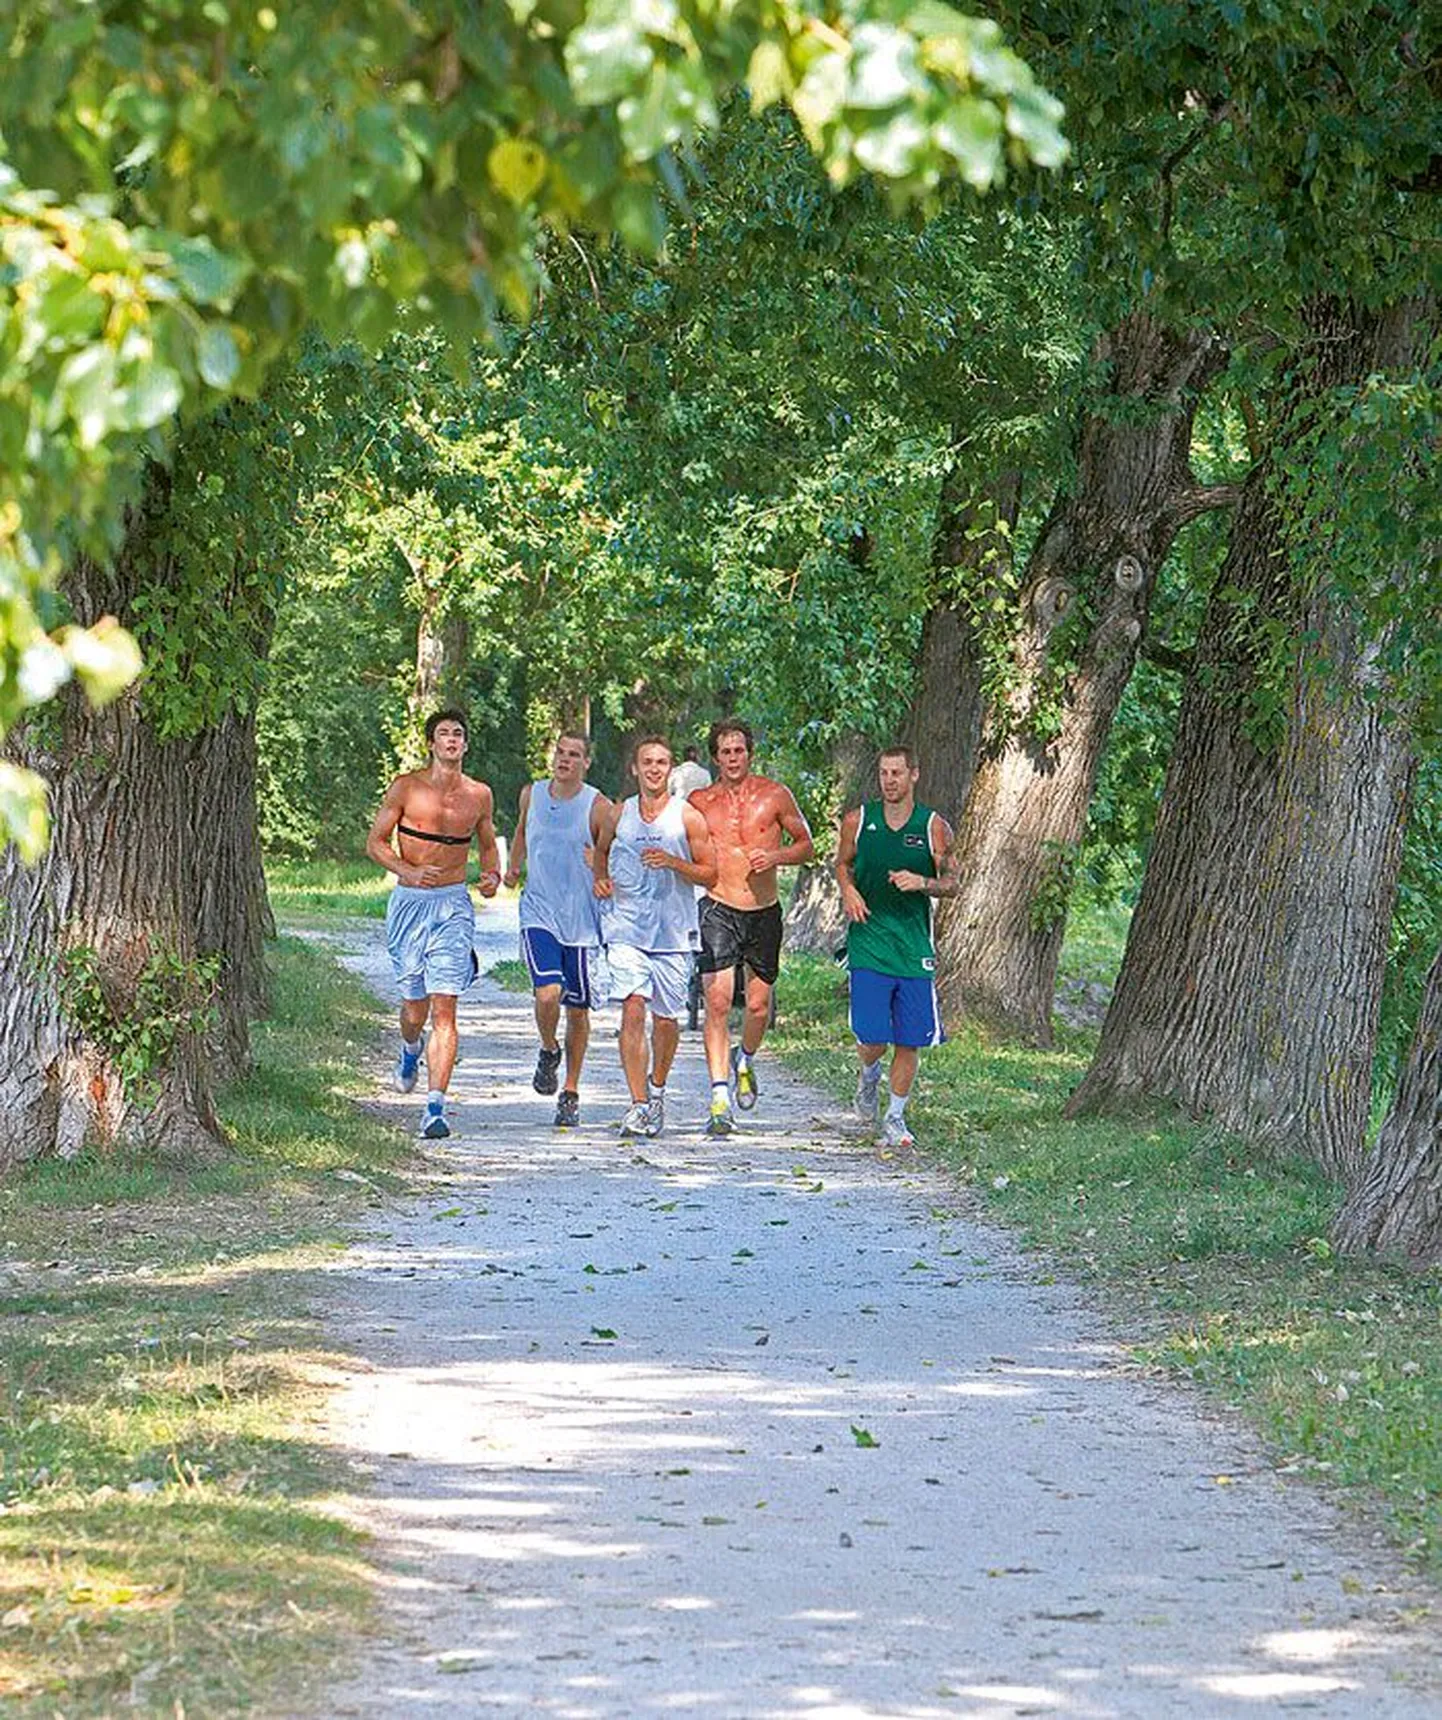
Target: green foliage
{"points": [[184, 187], [1052, 895], [170, 999]]}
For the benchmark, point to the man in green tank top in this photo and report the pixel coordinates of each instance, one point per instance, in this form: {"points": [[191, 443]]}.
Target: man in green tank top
{"points": [[893, 858]]}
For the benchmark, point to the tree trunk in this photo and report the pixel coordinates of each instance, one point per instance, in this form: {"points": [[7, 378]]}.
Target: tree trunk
{"points": [[944, 725], [1097, 559], [815, 923], [442, 644], [1251, 983], [153, 867], [116, 881], [1395, 1206], [232, 909]]}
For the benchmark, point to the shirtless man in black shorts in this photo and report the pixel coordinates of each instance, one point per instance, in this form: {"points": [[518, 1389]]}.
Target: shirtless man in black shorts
{"points": [[755, 826]]}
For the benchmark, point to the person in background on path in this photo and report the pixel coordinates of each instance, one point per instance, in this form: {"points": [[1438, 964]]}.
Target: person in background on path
{"points": [[688, 776], [755, 826], [423, 833], [893, 858], [557, 823], [651, 853]]}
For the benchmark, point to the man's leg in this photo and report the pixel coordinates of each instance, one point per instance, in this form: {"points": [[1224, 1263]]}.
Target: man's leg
{"points": [[441, 1051], [413, 1018], [665, 1036], [720, 988], [578, 1037], [758, 1013], [633, 1047], [903, 1071], [548, 1014], [440, 1061]]}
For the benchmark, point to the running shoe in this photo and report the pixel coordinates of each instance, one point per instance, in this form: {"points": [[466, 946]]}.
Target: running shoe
{"points": [[720, 1122], [868, 1094], [896, 1136], [656, 1116], [633, 1124], [408, 1066], [547, 1065], [744, 1078], [568, 1110], [435, 1127]]}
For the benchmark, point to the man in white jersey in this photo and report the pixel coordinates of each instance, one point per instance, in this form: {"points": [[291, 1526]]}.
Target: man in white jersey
{"points": [[557, 823], [651, 853]]}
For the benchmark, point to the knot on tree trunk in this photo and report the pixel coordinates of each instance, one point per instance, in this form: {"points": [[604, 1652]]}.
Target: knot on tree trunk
{"points": [[1130, 575], [1051, 598]]}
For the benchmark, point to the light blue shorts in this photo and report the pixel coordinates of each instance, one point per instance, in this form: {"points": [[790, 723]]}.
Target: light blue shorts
{"points": [[431, 938], [662, 977]]}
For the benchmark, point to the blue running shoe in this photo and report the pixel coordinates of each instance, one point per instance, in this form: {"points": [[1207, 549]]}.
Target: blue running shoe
{"points": [[408, 1065], [435, 1127]]}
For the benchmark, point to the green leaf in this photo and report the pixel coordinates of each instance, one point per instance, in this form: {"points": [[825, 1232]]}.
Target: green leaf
{"points": [[867, 1441], [216, 356], [517, 168], [602, 1332], [609, 55]]}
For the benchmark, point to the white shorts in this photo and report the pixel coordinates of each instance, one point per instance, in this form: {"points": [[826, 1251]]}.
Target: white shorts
{"points": [[662, 977]]}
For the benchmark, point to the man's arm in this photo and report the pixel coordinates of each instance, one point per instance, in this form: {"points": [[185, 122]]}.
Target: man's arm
{"points": [[853, 903], [489, 854], [604, 833], [381, 848], [702, 866], [946, 882], [518, 841], [600, 813], [798, 849]]}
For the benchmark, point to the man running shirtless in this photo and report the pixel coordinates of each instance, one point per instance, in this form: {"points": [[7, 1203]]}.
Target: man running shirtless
{"points": [[423, 834], [755, 826]]}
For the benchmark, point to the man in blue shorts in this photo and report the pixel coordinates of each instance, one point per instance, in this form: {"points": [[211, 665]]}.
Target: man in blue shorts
{"points": [[557, 824], [893, 859], [423, 834]]}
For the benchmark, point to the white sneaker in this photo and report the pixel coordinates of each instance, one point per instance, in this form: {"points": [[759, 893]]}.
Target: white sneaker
{"points": [[633, 1124], [656, 1116], [896, 1135], [868, 1094]]}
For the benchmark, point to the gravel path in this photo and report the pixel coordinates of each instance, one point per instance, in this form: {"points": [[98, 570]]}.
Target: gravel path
{"points": [[769, 1429]]}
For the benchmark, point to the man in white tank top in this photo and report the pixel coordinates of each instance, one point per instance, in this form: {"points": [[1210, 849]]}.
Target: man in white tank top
{"points": [[651, 853], [557, 823]]}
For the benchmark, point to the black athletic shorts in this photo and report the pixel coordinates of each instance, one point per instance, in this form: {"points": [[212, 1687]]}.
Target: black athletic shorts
{"points": [[731, 935]]}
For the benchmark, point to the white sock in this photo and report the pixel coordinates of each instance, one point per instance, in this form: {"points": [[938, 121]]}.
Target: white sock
{"points": [[655, 1091], [743, 1057], [720, 1094], [897, 1107], [435, 1100], [410, 1044], [871, 1074]]}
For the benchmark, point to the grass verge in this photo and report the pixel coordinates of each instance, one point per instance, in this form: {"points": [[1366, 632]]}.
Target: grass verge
{"points": [[1218, 1266], [163, 1546]]}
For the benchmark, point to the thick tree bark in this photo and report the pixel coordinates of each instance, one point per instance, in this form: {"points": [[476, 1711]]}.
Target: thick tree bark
{"points": [[815, 923], [1250, 987], [944, 725], [232, 909], [1395, 1206], [153, 859], [1097, 557], [442, 644]]}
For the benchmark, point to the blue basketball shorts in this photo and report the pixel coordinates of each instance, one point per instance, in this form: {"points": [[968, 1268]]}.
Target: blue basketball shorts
{"points": [[887, 1010]]}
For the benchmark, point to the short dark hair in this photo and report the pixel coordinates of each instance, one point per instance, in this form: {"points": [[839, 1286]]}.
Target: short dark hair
{"points": [[651, 740], [452, 714], [575, 735], [730, 726], [899, 750], [691, 755]]}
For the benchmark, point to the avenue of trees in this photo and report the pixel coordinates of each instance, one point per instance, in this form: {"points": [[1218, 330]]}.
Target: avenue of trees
{"points": [[1112, 487]]}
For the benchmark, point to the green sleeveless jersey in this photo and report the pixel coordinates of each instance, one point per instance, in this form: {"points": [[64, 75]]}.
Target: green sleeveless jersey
{"points": [[896, 939]]}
